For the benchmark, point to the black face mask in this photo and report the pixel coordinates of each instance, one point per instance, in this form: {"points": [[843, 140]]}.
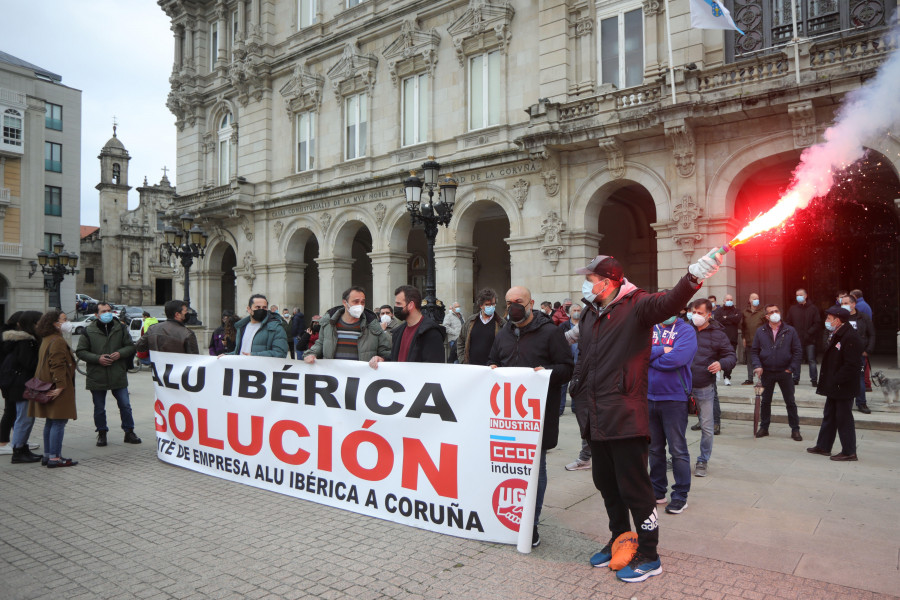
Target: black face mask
{"points": [[400, 312], [517, 313], [260, 314]]}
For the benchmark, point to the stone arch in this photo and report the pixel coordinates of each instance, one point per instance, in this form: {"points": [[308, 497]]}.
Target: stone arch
{"points": [[341, 233], [217, 111], [214, 295], [470, 205], [396, 227], [296, 234], [300, 247], [584, 212]]}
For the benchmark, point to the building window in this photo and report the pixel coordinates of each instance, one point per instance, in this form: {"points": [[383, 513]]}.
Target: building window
{"points": [[12, 127], [416, 120], [306, 141], [484, 90], [213, 45], [225, 149], [352, 3], [307, 13], [89, 275], [116, 173], [355, 118], [53, 116], [53, 157], [50, 239], [622, 49], [52, 201]]}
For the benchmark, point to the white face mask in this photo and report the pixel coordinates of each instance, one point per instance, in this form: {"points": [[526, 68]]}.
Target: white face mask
{"points": [[385, 319], [775, 318], [356, 310], [698, 320], [65, 327]]}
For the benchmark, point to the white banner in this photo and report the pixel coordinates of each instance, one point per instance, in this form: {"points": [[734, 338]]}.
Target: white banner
{"points": [[448, 448]]}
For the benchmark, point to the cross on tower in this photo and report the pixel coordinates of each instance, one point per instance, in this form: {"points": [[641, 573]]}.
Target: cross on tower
{"points": [[114, 125], [165, 171]]}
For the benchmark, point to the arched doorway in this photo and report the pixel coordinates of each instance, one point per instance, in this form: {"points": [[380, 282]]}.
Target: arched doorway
{"points": [[4, 299], [847, 240], [624, 223], [218, 283], [353, 265], [491, 263], [228, 290], [362, 263], [310, 278]]}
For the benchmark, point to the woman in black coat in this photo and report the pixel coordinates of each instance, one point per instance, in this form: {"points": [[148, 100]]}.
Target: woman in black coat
{"points": [[19, 366]]}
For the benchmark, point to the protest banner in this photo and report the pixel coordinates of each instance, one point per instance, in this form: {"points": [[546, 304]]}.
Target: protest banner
{"points": [[448, 448]]}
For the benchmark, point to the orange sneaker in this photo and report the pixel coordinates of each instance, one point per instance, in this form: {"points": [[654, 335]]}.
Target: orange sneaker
{"points": [[623, 550]]}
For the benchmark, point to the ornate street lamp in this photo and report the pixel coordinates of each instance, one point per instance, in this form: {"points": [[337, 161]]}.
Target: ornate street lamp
{"points": [[187, 242], [56, 265], [436, 209]]}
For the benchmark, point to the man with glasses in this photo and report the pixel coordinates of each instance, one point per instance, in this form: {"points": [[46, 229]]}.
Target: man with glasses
{"points": [[776, 355]]}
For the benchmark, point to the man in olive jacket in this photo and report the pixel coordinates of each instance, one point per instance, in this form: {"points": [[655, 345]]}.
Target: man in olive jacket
{"points": [[262, 332], [350, 332], [107, 349]]}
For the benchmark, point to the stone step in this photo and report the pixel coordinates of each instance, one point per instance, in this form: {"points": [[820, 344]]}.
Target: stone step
{"points": [[884, 420]]}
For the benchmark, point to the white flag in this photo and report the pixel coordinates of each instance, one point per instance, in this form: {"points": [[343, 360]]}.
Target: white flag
{"points": [[711, 14]]}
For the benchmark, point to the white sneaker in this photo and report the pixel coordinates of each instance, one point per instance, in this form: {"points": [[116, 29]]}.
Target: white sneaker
{"points": [[7, 449], [727, 381], [579, 465], [33, 446]]}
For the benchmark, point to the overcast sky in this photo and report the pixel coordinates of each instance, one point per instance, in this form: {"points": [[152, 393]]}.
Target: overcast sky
{"points": [[119, 53]]}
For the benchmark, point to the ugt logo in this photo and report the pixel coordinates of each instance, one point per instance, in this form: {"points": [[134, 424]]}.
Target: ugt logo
{"points": [[519, 399], [508, 502]]}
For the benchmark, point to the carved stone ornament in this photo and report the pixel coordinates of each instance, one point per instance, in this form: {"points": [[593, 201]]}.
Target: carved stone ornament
{"points": [[615, 156], [584, 26], [484, 26], [380, 212], [682, 137], [303, 91], [248, 268], [279, 228], [550, 175], [803, 121], [551, 244], [353, 73], [326, 221], [686, 215], [247, 228], [412, 51], [520, 192], [651, 7]]}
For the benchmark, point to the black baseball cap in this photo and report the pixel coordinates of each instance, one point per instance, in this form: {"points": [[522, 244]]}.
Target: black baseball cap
{"points": [[840, 312], [604, 266]]}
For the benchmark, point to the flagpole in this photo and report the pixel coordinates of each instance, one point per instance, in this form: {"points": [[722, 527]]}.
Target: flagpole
{"points": [[796, 41], [671, 61]]}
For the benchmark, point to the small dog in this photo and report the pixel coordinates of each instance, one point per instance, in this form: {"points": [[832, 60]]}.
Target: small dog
{"points": [[889, 387]]}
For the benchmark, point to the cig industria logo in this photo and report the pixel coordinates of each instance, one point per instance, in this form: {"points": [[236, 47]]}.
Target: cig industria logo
{"points": [[512, 411]]}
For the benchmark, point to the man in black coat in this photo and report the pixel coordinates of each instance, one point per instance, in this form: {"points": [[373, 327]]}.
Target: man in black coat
{"points": [[530, 339], [297, 327], [729, 317], [419, 338], [610, 384], [865, 329], [839, 383], [806, 319], [776, 355]]}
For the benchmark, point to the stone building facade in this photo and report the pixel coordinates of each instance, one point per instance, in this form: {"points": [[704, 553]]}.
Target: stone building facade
{"points": [[125, 262], [40, 180], [298, 120]]}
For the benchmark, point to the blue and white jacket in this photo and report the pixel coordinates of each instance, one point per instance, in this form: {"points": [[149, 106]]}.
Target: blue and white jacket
{"points": [[664, 382]]}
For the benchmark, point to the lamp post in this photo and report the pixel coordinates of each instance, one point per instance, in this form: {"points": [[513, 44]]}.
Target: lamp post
{"points": [[57, 264], [436, 210], [186, 242]]}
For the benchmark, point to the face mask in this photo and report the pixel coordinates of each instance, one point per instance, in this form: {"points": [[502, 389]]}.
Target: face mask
{"points": [[587, 290], [259, 314], [285, 315], [489, 310], [713, 304], [669, 321], [517, 313], [829, 325], [356, 310], [400, 312], [800, 299], [729, 303], [689, 315], [698, 320], [106, 317], [775, 318], [457, 310], [385, 319], [65, 327], [754, 302], [576, 315]]}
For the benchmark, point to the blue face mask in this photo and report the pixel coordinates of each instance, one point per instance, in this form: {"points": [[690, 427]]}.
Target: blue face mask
{"points": [[106, 317], [587, 290], [669, 321], [755, 302], [829, 325], [800, 299], [729, 303], [489, 310]]}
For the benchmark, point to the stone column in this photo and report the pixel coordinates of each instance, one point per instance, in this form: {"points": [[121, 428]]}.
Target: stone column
{"points": [[242, 15], [191, 25], [389, 270], [178, 30], [552, 42], [286, 284], [453, 271], [335, 276], [654, 31], [222, 28]]}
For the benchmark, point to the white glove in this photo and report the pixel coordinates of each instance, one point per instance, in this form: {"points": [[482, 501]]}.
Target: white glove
{"points": [[706, 267], [572, 335]]}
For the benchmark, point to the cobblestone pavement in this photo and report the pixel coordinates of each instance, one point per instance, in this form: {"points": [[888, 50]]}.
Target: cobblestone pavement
{"points": [[123, 524]]}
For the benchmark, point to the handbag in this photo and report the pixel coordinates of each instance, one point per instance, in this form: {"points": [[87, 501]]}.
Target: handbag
{"points": [[693, 408], [36, 389]]}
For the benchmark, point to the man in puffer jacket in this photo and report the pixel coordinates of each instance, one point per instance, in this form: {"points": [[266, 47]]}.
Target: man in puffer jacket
{"points": [[714, 353], [350, 332], [776, 355], [262, 332]]}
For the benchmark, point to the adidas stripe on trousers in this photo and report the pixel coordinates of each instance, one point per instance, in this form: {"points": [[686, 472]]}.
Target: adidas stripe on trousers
{"points": [[619, 469]]}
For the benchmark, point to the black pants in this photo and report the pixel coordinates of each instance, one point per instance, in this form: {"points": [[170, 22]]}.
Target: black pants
{"points": [[837, 418], [620, 473], [9, 416], [291, 343], [785, 381], [727, 373]]}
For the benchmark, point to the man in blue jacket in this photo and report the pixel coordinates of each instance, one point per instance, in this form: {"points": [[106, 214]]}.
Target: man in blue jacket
{"points": [[776, 355], [668, 381]]}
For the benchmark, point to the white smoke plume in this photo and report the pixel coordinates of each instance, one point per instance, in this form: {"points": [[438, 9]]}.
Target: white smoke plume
{"points": [[866, 113]]}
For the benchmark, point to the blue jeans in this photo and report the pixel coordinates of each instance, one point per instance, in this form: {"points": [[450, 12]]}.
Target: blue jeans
{"points": [[668, 422], [705, 400], [122, 399], [53, 437], [542, 487], [717, 411], [22, 426], [810, 351]]}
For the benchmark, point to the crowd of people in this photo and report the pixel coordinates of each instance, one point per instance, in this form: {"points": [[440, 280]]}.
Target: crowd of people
{"points": [[632, 362]]}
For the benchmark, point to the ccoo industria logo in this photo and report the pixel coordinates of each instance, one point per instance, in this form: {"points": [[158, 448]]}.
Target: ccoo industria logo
{"points": [[513, 412]]}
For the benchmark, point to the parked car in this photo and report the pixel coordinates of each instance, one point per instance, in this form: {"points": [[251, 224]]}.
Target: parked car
{"points": [[133, 312], [80, 325], [136, 326]]}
